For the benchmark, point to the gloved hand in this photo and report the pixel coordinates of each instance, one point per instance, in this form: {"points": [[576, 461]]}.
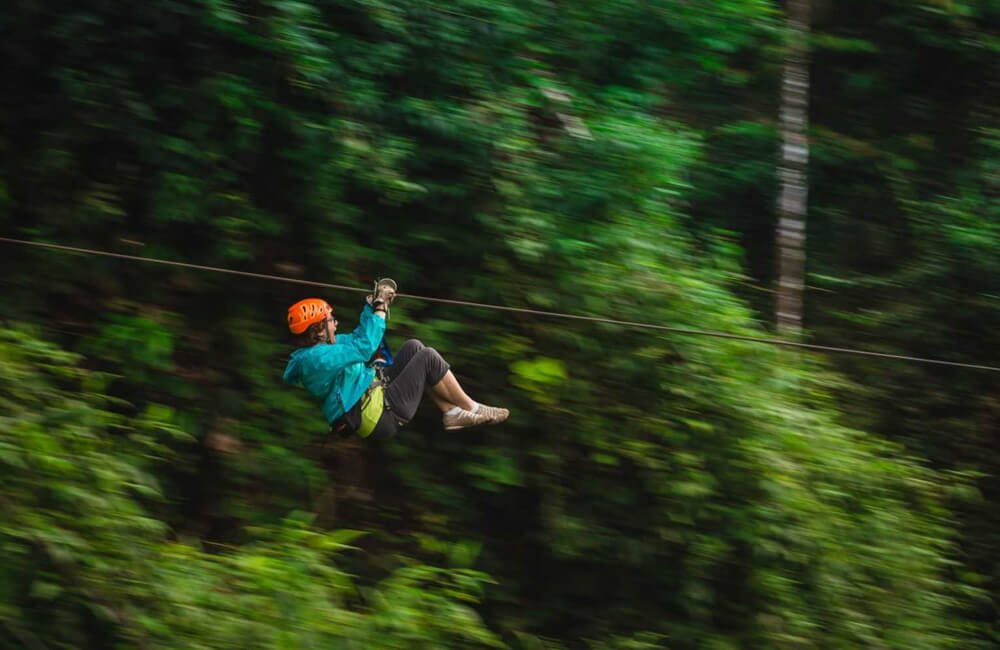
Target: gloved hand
{"points": [[383, 294], [385, 290]]}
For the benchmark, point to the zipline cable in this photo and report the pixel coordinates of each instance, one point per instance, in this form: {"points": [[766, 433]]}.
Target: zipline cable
{"points": [[519, 310]]}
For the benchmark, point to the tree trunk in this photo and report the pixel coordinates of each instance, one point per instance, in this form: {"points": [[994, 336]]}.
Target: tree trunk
{"points": [[791, 236]]}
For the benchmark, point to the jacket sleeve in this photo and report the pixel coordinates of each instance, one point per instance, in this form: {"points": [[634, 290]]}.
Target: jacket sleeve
{"points": [[367, 336]]}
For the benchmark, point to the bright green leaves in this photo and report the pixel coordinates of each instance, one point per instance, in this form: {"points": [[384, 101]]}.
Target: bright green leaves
{"points": [[540, 377], [74, 539], [422, 607], [71, 523], [285, 591]]}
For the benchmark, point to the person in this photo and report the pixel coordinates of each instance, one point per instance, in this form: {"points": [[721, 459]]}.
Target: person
{"points": [[359, 392]]}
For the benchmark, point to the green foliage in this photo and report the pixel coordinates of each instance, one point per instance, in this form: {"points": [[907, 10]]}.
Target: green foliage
{"points": [[540, 377], [284, 591], [79, 548], [649, 490], [73, 526]]}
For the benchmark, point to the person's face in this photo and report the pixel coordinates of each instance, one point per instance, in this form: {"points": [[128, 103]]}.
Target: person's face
{"points": [[331, 328]]}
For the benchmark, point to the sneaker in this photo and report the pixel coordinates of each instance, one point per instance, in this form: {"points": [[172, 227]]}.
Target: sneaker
{"points": [[497, 415], [462, 419]]}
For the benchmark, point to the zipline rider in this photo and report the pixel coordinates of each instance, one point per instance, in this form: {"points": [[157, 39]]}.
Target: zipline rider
{"points": [[362, 387]]}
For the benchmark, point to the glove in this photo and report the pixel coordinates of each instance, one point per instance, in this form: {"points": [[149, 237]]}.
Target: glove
{"points": [[383, 294], [385, 289]]}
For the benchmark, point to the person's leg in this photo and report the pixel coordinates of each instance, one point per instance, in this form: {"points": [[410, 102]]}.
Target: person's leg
{"points": [[423, 368], [448, 393], [440, 402], [461, 411], [403, 357]]}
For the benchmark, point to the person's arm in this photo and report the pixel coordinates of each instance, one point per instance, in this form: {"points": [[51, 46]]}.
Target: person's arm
{"points": [[356, 347], [364, 341], [366, 337]]}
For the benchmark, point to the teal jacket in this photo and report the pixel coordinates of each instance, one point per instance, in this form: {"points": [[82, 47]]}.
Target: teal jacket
{"points": [[336, 373]]}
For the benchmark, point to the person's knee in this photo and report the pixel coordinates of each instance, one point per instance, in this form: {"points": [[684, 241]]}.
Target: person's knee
{"points": [[432, 353], [414, 343], [436, 366]]}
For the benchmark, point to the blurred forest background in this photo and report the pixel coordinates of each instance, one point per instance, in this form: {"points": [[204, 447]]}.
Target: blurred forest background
{"points": [[161, 488]]}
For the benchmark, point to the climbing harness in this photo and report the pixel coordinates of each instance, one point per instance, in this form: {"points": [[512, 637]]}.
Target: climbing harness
{"points": [[373, 402]]}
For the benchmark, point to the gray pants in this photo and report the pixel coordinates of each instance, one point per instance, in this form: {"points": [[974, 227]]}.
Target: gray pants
{"points": [[415, 367]]}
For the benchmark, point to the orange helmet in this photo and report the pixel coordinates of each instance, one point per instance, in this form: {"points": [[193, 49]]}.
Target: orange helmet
{"points": [[307, 312]]}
